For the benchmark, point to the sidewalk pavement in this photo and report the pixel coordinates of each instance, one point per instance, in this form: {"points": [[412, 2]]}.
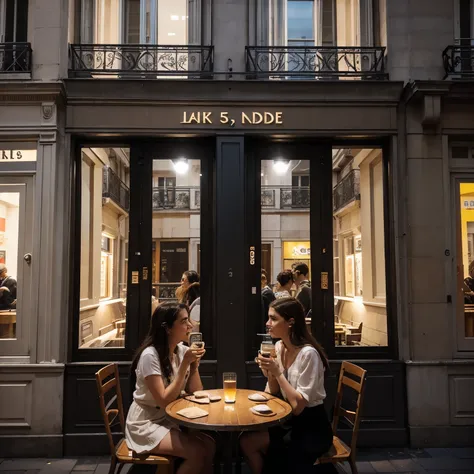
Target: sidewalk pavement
{"points": [[388, 461]]}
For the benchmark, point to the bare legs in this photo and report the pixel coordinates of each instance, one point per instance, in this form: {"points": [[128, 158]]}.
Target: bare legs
{"points": [[197, 450], [254, 446]]}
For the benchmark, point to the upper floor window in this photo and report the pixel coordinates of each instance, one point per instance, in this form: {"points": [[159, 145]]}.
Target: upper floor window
{"points": [[13, 21], [137, 22], [315, 23]]}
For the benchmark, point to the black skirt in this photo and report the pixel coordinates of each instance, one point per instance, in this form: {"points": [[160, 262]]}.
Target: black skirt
{"points": [[296, 446]]}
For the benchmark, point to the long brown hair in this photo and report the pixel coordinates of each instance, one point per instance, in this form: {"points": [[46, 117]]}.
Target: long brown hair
{"points": [[163, 319], [289, 308]]}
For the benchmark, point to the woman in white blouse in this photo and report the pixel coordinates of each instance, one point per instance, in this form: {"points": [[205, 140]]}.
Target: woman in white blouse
{"points": [[163, 368], [297, 374]]}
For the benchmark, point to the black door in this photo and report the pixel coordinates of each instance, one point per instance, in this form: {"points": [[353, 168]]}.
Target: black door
{"points": [[170, 227], [289, 221]]}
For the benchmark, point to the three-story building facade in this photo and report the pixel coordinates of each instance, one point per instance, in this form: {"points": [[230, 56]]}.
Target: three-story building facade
{"points": [[140, 139]]}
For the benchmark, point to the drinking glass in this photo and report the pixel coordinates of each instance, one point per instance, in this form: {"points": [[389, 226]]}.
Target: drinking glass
{"points": [[230, 386], [267, 348]]}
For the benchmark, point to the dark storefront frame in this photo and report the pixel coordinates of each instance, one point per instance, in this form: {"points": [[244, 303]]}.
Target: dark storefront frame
{"points": [[231, 170]]}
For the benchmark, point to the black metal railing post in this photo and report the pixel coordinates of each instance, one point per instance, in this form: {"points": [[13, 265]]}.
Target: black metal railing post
{"points": [[458, 60], [115, 189], [15, 57], [347, 190], [315, 62], [189, 62]]}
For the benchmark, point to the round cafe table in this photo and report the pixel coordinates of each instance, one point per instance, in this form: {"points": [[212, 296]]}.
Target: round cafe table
{"points": [[230, 417]]}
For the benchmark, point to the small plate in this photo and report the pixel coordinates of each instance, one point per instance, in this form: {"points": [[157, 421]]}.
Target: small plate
{"points": [[202, 401], [258, 397]]}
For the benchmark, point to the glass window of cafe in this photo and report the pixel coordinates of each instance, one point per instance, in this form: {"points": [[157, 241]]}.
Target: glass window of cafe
{"points": [[105, 203], [360, 309], [360, 315], [9, 235], [105, 207], [465, 264]]}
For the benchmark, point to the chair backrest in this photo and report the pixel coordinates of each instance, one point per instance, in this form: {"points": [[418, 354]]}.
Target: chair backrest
{"points": [[108, 379], [347, 378]]}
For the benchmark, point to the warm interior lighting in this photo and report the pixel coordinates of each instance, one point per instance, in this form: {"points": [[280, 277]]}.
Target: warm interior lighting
{"points": [[281, 166], [181, 165]]}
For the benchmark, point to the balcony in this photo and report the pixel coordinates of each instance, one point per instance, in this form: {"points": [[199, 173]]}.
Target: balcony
{"points": [[346, 191], [285, 197], [141, 61], [315, 62], [177, 198], [15, 58], [458, 60], [115, 189]]}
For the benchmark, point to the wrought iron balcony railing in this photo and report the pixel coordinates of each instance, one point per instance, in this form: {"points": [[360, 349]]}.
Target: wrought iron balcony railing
{"points": [[285, 197], [165, 291], [114, 188], [315, 62], [15, 57], [125, 60], [347, 190], [176, 198], [458, 60]]}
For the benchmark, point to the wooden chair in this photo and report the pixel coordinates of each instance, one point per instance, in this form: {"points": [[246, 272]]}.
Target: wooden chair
{"points": [[107, 378], [339, 451]]}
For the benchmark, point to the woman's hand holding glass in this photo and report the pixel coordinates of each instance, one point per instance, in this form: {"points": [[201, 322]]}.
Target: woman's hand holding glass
{"points": [[192, 357], [269, 365]]}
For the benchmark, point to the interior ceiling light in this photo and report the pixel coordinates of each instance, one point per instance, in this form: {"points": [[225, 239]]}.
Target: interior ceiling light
{"points": [[181, 165], [281, 166], [174, 17]]}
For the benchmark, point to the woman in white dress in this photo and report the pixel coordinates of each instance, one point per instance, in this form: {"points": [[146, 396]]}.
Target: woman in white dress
{"points": [[163, 368], [297, 374]]}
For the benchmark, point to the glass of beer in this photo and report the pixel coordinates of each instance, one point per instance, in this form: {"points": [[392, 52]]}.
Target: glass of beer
{"points": [[267, 348], [230, 386]]}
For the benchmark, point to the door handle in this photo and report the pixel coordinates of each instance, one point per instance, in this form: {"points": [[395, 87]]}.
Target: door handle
{"points": [[27, 258]]}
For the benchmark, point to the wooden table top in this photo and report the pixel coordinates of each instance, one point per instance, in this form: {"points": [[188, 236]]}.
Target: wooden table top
{"points": [[230, 416]]}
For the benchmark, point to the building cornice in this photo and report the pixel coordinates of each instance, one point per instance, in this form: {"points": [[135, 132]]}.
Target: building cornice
{"points": [[32, 92], [127, 91]]}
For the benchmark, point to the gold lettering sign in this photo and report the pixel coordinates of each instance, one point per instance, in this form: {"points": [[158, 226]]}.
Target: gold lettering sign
{"points": [[225, 118], [17, 155]]}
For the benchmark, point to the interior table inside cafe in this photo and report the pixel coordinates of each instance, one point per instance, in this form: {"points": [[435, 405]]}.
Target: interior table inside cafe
{"points": [[229, 419]]}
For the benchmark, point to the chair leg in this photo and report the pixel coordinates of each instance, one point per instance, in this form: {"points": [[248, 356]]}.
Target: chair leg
{"points": [[113, 464], [120, 467], [353, 465]]}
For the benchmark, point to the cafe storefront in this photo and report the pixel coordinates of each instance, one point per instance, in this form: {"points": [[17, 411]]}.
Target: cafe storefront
{"points": [[247, 177]]}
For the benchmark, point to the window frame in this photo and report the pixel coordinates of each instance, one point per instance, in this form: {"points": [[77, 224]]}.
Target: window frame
{"points": [[391, 350], [464, 347], [21, 347]]}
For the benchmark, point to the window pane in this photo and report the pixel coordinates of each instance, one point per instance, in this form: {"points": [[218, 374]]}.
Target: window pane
{"points": [[467, 242], [105, 201], [300, 20], [176, 233], [9, 228], [359, 248], [285, 232]]}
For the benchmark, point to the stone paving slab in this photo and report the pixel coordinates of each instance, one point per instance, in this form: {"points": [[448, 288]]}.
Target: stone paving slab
{"points": [[369, 461], [23, 464]]}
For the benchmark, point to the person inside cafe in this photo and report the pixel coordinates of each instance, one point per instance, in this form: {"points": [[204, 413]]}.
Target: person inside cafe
{"points": [[7, 289], [468, 286], [297, 374], [266, 293], [285, 282], [164, 367], [188, 278], [303, 285], [192, 298]]}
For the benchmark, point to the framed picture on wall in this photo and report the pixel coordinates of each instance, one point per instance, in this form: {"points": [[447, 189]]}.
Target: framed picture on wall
{"points": [[3, 256]]}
